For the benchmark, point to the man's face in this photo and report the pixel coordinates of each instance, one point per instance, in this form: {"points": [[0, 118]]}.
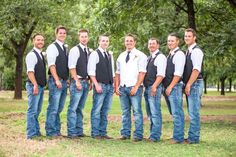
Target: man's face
{"points": [[129, 43], [172, 42], [104, 42], [61, 35], [153, 46], [38, 41], [189, 38], [83, 38]]}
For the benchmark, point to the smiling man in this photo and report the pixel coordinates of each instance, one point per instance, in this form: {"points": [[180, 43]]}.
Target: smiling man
{"points": [[131, 69], [193, 80], [79, 87], [57, 82], [36, 71], [101, 72], [156, 69], [173, 86]]}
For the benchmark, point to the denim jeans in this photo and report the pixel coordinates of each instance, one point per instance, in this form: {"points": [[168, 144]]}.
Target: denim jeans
{"points": [[75, 109], [35, 103], [101, 106], [153, 109], [194, 105], [56, 101], [126, 102], [175, 100]]}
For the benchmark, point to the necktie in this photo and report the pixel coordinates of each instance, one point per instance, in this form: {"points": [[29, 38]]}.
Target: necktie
{"points": [[105, 55], [127, 57], [64, 49], [86, 54]]}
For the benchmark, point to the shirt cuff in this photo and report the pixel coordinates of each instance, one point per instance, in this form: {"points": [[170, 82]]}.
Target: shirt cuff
{"points": [[91, 73], [51, 64], [178, 73], [30, 70], [72, 67], [197, 68]]}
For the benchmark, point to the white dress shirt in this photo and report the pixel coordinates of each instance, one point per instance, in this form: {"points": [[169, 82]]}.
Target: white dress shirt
{"points": [[196, 57], [94, 59], [129, 71], [31, 60], [52, 53], [160, 62], [178, 61]]}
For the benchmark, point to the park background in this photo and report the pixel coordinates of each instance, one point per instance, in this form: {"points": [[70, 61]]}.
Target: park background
{"points": [[214, 21]]}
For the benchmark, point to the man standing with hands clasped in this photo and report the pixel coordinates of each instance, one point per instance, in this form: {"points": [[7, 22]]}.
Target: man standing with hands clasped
{"points": [[101, 72], [193, 80], [57, 82], [131, 69], [79, 87], [36, 71], [173, 87], [156, 69]]}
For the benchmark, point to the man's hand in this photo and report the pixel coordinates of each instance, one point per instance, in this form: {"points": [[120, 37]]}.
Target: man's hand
{"points": [[134, 90], [98, 88], [78, 85], [168, 90], [153, 91], [58, 84], [36, 90], [187, 89]]}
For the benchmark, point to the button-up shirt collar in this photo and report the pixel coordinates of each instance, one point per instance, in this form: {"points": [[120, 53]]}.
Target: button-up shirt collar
{"points": [[102, 51], [38, 51], [190, 48], [154, 53], [173, 51], [60, 43], [83, 47]]}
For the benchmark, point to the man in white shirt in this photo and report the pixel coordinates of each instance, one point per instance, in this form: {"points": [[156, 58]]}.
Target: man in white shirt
{"points": [[173, 86], [36, 71], [131, 69], [79, 87], [101, 72], [193, 80], [156, 69], [57, 83]]}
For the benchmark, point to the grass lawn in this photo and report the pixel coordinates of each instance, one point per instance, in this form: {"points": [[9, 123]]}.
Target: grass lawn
{"points": [[218, 132]]}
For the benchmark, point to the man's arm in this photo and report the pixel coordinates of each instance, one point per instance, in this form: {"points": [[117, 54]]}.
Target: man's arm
{"points": [[53, 71], [156, 84], [31, 77], [134, 89], [191, 80], [117, 84], [174, 81]]}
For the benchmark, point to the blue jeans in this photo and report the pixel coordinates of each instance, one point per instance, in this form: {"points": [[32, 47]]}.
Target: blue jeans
{"points": [[153, 109], [56, 101], [194, 105], [175, 100], [101, 106], [35, 103], [126, 102], [75, 109]]}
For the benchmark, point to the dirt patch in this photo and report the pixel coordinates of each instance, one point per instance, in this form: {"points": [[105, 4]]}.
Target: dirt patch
{"points": [[207, 118], [220, 98]]}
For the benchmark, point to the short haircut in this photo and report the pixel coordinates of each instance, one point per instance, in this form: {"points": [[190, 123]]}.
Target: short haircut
{"points": [[191, 30], [60, 27], [153, 38], [103, 35], [36, 34], [175, 35], [131, 35], [83, 31]]}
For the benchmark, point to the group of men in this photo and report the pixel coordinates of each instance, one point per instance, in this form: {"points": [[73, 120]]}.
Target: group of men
{"points": [[135, 72]]}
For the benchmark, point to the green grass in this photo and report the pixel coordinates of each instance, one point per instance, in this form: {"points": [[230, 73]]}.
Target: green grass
{"points": [[218, 138]]}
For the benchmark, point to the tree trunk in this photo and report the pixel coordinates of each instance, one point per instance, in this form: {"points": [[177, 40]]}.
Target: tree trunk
{"points": [[205, 84], [218, 86], [191, 14], [222, 82], [18, 73], [230, 84]]}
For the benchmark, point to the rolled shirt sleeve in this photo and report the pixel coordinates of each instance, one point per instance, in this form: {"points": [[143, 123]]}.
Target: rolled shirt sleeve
{"points": [[161, 62], [118, 65], [31, 60], [142, 63], [179, 61], [92, 62], [73, 57], [52, 54], [197, 58]]}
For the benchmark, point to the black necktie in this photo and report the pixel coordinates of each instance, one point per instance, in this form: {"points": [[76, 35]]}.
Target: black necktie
{"points": [[127, 57], [105, 55], [86, 54], [64, 49]]}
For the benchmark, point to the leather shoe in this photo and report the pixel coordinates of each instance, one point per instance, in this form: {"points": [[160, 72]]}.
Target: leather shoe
{"points": [[97, 137], [124, 138], [172, 141], [83, 135], [106, 137], [137, 139]]}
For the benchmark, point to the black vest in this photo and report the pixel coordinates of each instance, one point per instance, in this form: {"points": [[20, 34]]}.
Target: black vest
{"points": [[170, 69], [82, 62], [61, 63], [104, 69], [189, 67], [150, 76], [40, 70]]}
